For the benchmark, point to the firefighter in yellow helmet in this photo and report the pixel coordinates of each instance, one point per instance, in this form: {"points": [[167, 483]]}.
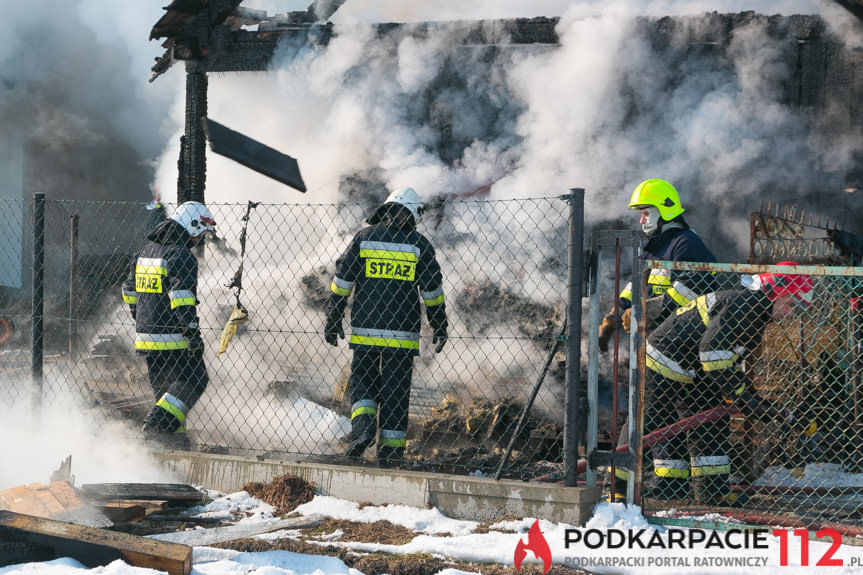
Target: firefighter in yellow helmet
{"points": [[667, 237]]}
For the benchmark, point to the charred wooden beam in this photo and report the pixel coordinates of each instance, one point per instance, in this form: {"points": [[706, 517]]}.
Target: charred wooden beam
{"points": [[94, 547], [254, 155], [221, 49], [853, 6], [173, 492], [194, 173]]}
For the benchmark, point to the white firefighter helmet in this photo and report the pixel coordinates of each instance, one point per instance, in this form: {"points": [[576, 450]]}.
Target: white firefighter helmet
{"points": [[195, 218], [406, 197]]}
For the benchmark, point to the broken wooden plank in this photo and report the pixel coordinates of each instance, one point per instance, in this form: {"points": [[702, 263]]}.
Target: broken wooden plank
{"points": [[185, 519], [58, 500], [253, 154], [23, 500], [123, 511], [95, 547], [203, 537], [171, 492]]}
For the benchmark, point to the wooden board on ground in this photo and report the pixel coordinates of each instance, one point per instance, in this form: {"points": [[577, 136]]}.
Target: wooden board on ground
{"points": [[128, 510], [203, 537], [174, 493], [58, 500], [123, 511], [94, 547]]}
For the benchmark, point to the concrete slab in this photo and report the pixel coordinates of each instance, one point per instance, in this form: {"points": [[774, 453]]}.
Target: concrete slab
{"points": [[461, 497]]}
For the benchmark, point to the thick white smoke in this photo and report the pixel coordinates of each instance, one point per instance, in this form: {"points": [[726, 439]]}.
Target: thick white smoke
{"points": [[83, 123], [603, 110]]}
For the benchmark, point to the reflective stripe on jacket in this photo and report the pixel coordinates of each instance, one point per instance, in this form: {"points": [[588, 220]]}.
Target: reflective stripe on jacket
{"points": [[161, 288], [677, 288], [710, 336], [390, 271]]}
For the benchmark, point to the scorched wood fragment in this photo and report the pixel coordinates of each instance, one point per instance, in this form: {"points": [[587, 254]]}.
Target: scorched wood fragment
{"points": [[94, 547]]}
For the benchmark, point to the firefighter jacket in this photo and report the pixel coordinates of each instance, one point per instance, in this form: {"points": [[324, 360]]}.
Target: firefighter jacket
{"points": [[161, 290], [390, 270], [677, 288], [708, 339]]}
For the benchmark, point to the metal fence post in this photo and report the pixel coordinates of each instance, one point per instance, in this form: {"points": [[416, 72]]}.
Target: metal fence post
{"points": [[636, 372], [38, 299], [593, 358], [573, 421], [73, 285]]}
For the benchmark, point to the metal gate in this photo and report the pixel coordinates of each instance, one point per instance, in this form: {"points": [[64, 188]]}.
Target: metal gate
{"points": [[619, 248]]}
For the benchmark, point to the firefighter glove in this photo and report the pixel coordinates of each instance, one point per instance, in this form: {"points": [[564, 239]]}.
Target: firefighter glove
{"points": [[606, 330], [439, 338], [334, 330], [196, 342], [626, 319]]}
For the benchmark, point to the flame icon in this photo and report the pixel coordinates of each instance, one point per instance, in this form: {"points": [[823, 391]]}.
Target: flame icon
{"points": [[536, 543]]}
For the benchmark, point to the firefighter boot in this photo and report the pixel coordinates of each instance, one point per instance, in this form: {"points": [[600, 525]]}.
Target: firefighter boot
{"points": [[160, 426], [390, 456], [363, 429], [713, 489]]}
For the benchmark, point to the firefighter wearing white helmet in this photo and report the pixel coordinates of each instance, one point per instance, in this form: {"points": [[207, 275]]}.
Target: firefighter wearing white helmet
{"points": [[161, 291], [667, 237], [392, 270]]}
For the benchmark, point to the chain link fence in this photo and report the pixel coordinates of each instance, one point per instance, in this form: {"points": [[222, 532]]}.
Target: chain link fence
{"points": [[769, 393], [279, 390]]}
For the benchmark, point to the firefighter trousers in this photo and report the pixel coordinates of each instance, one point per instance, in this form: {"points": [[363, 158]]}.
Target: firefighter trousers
{"points": [[698, 458], [178, 379], [380, 385]]}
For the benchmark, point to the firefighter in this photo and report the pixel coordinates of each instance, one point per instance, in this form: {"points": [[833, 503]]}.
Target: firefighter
{"points": [[161, 290], [668, 237], [695, 363], [390, 267]]}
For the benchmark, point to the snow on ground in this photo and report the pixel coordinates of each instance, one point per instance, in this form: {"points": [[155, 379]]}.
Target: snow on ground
{"points": [[814, 475], [457, 540]]}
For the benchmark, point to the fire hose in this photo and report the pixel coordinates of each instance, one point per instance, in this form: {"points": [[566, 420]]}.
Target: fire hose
{"points": [[661, 434]]}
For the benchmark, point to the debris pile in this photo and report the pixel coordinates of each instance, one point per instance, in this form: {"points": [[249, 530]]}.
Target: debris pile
{"points": [[539, 322], [476, 434], [477, 419], [38, 522], [285, 493]]}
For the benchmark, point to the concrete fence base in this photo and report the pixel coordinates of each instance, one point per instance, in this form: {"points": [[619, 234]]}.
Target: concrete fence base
{"points": [[460, 497]]}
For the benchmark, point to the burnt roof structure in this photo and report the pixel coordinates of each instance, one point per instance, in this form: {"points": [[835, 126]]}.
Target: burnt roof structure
{"points": [[223, 36], [208, 35]]}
